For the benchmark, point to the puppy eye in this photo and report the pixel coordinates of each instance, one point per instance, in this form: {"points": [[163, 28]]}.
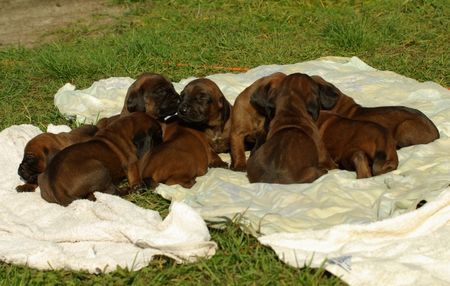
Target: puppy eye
{"points": [[203, 97]]}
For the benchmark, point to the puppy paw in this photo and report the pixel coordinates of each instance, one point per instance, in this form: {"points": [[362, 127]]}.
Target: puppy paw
{"points": [[219, 164], [138, 188], [238, 168], [26, 188], [149, 183]]}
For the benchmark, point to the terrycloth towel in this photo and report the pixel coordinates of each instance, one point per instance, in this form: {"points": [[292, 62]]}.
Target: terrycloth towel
{"points": [[336, 198], [94, 236]]}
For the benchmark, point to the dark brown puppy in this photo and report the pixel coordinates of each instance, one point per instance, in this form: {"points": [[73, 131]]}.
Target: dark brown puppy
{"points": [[408, 126], [204, 106], [152, 93], [246, 122], [293, 151], [361, 146], [97, 165], [42, 148], [184, 155]]}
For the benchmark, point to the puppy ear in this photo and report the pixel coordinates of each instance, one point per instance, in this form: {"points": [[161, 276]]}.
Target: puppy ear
{"points": [[226, 109], [260, 99], [328, 95], [135, 101], [145, 141], [140, 141], [313, 109]]}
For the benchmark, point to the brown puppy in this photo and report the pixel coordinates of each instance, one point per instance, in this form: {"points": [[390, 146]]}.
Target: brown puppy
{"points": [[152, 93], [184, 155], [96, 165], [293, 151], [363, 146], [204, 106], [42, 148], [246, 122], [408, 126]]}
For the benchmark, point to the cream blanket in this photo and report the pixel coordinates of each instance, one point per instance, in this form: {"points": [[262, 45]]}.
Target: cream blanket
{"points": [[94, 236], [368, 229]]}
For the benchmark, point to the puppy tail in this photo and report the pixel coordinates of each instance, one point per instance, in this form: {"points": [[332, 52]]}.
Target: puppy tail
{"points": [[382, 165]]}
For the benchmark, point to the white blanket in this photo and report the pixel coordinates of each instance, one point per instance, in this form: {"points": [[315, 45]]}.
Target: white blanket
{"points": [[317, 214], [94, 236]]}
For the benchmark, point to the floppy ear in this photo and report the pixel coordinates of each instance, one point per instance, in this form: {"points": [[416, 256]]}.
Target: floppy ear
{"points": [[226, 110], [140, 140], [328, 96], [313, 109], [145, 141], [260, 99], [135, 101]]}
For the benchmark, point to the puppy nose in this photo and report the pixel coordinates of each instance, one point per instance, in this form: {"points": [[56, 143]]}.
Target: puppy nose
{"points": [[183, 109]]}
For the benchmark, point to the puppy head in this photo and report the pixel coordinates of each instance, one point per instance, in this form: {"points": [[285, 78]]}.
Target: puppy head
{"points": [[153, 94], [328, 93], [37, 154], [263, 98], [309, 91], [202, 102]]}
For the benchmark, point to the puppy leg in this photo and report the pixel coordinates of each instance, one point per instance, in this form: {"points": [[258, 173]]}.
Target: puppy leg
{"points": [[361, 163], [26, 188], [310, 174], [382, 165], [215, 161], [185, 182], [325, 160], [237, 150], [134, 179], [412, 132]]}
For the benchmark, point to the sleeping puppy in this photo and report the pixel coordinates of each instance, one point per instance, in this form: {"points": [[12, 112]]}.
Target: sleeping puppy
{"points": [[408, 126], [184, 155], [98, 164], [361, 146], [293, 151], [246, 122], [42, 148], [152, 93], [204, 106]]}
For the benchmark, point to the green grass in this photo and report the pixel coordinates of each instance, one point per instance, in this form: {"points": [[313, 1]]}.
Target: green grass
{"points": [[407, 37]]}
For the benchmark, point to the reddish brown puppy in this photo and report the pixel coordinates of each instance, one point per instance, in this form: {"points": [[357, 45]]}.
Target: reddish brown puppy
{"points": [[98, 164], [361, 146], [184, 155], [293, 151], [408, 126], [246, 122], [203, 106], [42, 148], [152, 93]]}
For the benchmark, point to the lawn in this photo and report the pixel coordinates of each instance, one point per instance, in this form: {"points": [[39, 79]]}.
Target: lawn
{"points": [[407, 37]]}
